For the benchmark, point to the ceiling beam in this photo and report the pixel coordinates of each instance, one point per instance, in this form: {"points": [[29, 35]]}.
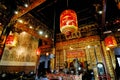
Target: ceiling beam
{"points": [[24, 27], [25, 10], [32, 32]]}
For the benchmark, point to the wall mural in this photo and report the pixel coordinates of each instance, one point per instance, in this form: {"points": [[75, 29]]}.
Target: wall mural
{"points": [[23, 53]]}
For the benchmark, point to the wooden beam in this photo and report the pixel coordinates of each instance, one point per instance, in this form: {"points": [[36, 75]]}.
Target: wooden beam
{"points": [[45, 46], [24, 26], [32, 32], [104, 13], [25, 10]]}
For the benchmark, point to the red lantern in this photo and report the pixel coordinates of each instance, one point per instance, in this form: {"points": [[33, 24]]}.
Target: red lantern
{"points": [[38, 51], [68, 22], [110, 42], [11, 40]]}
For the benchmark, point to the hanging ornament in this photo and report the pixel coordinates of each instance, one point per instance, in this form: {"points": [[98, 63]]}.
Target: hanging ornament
{"points": [[11, 40], [110, 42], [38, 51], [68, 22], [118, 5]]}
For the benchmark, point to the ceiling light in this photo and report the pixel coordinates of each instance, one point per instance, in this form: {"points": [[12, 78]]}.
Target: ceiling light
{"points": [[118, 30], [26, 5], [20, 21], [100, 12], [106, 32], [16, 12], [46, 36], [30, 27], [40, 32]]}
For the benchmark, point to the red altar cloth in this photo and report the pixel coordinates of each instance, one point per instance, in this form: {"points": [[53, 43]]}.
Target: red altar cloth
{"points": [[63, 77]]}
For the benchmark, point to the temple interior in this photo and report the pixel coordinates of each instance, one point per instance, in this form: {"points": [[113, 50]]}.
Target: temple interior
{"points": [[60, 39]]}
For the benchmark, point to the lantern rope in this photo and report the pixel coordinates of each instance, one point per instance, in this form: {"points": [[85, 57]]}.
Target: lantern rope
{"points": [[67, 3], [54, 27]]}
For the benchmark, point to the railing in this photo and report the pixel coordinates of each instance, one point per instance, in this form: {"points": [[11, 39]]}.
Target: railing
{"points": [[17, 76], [104, 77]]}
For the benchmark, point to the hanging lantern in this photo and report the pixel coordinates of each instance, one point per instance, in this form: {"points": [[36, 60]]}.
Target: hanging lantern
{"points": [[118, 5], [68, 22], [11, 40], [110, 42], [38, 51]]}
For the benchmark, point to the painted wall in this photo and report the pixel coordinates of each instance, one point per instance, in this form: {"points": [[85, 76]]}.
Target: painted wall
{"points": [[23, 54]]}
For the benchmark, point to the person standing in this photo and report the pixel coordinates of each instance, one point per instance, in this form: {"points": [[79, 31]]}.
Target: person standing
{"points": [[44, 65], [47, 63], [41, 69]]}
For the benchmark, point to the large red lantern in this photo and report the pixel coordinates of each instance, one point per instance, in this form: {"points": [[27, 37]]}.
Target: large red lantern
{"points": [[110, 42], [68, 22]]}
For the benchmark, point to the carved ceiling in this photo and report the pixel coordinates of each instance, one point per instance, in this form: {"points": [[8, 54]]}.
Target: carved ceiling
{"points": [[44, 14]]}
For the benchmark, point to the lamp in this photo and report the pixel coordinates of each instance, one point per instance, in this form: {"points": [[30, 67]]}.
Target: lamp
{"points": [[110, 42], [118, 3], [68, 22], [11, 40], [38, 51]]}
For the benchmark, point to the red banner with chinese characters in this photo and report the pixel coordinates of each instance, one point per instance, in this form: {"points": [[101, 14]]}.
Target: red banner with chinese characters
{"points": [[76, 54]]}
